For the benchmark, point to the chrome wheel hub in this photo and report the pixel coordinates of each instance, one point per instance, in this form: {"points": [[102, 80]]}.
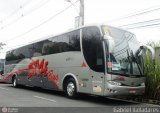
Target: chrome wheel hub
{"points": [[70, 89]]}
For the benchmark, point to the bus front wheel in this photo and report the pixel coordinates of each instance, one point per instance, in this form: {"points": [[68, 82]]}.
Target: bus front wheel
{"points": [[70, 88]]}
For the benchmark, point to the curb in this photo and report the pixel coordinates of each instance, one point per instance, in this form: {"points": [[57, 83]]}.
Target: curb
{"points": [[141, 100]]}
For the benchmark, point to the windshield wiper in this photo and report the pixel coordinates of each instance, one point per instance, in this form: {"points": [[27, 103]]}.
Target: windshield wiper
{"points": [[134, 59], [130, 61]]}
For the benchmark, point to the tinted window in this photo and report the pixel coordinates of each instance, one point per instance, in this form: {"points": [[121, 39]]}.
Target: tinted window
{"points": [[29, 51], [37, 48], [74, 41], [11, 55], [18, 54], [50, 46], [24, 52], [63, 43], [92, 48]]}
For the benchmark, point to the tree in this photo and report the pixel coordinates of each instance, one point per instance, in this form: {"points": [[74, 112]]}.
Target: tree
{"points": [[1, 45]]}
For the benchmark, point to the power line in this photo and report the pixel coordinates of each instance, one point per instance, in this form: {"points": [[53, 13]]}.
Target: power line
{"points": [[15, 11], [144, 26], [143, 22], [22, 15], [138, 13], [143, 12], [49, 19]]}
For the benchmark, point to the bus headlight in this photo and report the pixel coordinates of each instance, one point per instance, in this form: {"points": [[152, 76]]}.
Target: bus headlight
{"points": [[142, 84], [115, 83]]}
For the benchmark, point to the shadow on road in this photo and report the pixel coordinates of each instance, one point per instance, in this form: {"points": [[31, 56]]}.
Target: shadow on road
{"points": [[82, 97]]}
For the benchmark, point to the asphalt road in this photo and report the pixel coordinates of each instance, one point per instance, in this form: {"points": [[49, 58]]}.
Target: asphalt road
{"points": [[36, 97]]}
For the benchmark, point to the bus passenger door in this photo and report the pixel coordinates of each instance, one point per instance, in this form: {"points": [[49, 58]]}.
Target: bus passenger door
{"points": [[97, 72], [97, 82], [94, 56]]}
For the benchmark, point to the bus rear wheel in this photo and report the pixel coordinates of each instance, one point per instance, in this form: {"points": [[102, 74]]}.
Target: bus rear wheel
{"points": [[14, 82], [70, 88]]}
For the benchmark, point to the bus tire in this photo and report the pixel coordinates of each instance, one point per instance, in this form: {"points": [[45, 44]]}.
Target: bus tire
{"points": [[14, 82], [70, 88]]}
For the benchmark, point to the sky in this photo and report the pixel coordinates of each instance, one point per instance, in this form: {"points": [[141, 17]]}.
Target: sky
{"points": [[24, 21]]}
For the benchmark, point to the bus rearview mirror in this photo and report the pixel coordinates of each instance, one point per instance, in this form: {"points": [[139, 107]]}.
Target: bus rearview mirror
{"points": [[110, 43]]}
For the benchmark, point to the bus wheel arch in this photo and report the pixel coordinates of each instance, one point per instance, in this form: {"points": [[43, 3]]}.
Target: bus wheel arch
{"points": [[70, 82]]}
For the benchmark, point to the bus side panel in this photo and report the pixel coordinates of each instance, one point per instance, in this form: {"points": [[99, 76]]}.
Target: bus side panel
{"points": [[68, 63], [36, 77], [22, 71], [97, 81], [19, 69], [61, 64], [49, 84], [73, 63], [7, 71]]}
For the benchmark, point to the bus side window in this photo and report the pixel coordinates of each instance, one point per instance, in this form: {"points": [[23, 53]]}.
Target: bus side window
{"points": [[63, 43], [50, 46], [74, 40], [37, 49], [11, 56], [99, 56]]}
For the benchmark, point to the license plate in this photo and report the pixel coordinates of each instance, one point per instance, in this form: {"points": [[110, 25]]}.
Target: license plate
{"points": [[132, 91]]}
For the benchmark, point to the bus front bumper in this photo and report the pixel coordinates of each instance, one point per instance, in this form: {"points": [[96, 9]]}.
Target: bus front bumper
{"points": [[113, 90]]}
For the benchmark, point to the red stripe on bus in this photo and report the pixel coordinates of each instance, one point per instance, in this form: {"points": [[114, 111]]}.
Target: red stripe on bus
{"points": [[13, 73], [42, 69], [84, 65]]}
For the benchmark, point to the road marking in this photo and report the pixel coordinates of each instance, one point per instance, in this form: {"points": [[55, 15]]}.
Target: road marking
{"points": [[45, 98], [4, 88]]}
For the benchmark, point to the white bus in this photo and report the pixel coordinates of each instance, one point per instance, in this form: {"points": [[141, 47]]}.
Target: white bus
{"points": [[98, 59]]}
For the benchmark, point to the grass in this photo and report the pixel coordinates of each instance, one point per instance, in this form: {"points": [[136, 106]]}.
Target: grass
{"points": [[152, 73]]}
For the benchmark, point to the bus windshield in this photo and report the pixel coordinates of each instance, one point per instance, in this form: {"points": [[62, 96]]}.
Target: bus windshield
{"points": [[123, 65], [122, 60]]}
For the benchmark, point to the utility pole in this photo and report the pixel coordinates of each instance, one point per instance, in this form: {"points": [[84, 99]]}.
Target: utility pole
{"points": [[80, 18], [81, 14]]}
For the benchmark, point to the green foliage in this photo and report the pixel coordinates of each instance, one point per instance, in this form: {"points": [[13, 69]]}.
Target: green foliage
{"points": [[152, 73]]}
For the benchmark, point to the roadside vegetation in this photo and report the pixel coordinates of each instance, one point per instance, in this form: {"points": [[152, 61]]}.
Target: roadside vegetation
{"points": [[152, 73]]}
